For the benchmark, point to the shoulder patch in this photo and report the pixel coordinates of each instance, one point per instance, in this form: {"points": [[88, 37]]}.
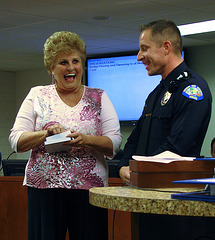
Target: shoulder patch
{"points": [[193, 92]]}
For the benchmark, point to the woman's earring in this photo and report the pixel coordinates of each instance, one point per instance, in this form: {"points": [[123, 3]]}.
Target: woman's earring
{"points": [[53, 79]]}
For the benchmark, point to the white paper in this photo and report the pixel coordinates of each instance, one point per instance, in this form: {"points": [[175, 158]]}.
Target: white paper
{"points": [[164, 157], [54, 143]]}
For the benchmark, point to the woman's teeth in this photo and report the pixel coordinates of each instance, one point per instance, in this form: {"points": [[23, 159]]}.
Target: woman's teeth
{"points": [[70, 76]]}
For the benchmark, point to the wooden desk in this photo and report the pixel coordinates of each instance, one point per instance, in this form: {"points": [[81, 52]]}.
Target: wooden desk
{"points": [[14, 211], [138, 201]]}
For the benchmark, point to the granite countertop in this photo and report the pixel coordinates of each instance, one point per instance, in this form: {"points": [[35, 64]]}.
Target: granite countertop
{"points": [[148, 201]]}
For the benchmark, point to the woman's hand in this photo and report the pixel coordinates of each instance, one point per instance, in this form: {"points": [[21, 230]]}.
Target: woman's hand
{"points": [[77, 139], [99, 143], [30, 140], [55, 129]]}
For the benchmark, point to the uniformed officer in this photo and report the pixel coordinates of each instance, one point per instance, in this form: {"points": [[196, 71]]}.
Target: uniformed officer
{"points": [[177, 113], [175, 116]]}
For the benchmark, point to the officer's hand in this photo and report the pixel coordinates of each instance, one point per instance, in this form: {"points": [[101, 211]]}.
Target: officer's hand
{"points": [[124, 173]]}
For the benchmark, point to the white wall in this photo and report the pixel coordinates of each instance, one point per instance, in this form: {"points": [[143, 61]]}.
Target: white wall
{"points": [[7, 109], [15, 86], [202, 61], [27, 79], [24, 81]]}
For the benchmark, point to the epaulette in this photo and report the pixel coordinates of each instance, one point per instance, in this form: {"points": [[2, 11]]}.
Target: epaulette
{"points": [[174, 84]]}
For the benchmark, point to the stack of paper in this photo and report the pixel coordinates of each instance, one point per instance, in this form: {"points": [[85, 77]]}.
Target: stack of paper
{"points": [[208, 194], [54, 143], [164, 157]]}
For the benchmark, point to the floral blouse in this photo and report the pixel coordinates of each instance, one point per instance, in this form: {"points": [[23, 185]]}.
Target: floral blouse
{"points": [[77, 168]]}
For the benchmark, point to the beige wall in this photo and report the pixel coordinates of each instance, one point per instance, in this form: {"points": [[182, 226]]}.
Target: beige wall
{"points": [[202, 61], [7, 109], [15, 86]]}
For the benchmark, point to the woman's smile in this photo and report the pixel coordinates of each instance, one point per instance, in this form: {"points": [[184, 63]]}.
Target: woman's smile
{"points": [[68, 71], [70, 77]]}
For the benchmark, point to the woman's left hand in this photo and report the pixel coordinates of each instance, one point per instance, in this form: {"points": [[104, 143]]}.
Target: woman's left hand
{"points": [[99, 143], [77, 139]]}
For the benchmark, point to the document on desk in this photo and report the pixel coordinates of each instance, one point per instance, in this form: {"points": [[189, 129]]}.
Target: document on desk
{"points": [[164, 157], [197, 181], [208, 194], [195, 196]]}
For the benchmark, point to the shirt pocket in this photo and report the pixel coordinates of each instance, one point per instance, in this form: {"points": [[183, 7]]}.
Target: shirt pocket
{"points": [[163, 112]]}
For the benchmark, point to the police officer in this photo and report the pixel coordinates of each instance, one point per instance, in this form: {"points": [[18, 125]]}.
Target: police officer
{"points": [[177, 113], [175, 116]]}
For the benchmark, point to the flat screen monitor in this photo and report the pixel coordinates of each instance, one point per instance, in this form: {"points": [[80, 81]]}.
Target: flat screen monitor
{"points": [[17, 167], [126, 82], [14, 167]]}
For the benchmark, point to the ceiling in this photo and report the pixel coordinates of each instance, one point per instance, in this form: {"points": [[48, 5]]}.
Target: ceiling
{"points": [[26, 24]]}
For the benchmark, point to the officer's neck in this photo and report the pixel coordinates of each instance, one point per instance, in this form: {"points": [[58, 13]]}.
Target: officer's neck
{"points": [[172, 62]]}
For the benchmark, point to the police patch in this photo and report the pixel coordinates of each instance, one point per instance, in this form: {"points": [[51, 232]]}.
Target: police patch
{"points": [[193, 92]]}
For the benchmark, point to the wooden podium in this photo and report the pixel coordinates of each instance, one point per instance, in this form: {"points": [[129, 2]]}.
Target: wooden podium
{"points": [[148, 174], [14, 209], [14, 212]]}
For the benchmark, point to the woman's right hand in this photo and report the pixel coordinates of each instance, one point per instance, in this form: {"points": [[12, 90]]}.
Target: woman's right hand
{"points": [[55, 129], [30, 140]]}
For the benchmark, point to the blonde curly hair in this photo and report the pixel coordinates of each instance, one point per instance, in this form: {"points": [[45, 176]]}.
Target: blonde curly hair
{"points": [[62, 41]]}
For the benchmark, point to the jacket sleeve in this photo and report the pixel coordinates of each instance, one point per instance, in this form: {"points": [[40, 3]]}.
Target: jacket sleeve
{"points": [[131, 145]]}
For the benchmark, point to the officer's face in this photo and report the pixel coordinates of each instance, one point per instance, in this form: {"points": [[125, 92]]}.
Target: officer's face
{"points": [[150, 54]]}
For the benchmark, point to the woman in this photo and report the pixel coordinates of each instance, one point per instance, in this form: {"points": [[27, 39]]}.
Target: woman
{"points": [[58, 182]]}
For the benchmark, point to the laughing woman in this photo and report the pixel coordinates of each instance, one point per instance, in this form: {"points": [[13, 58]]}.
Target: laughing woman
{"points": [[58, 183]]}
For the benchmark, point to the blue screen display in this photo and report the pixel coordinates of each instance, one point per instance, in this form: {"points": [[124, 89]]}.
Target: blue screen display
{"points": [[126, 82]]}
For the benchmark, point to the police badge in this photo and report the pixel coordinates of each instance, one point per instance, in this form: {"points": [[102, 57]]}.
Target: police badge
{"points": [[165, 98]]}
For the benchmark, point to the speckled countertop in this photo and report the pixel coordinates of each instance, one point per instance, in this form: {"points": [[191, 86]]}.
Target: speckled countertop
{"points": [[146, 201]]}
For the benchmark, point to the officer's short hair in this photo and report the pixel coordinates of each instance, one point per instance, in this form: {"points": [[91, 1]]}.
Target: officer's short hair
{"points": [[163, 30]]}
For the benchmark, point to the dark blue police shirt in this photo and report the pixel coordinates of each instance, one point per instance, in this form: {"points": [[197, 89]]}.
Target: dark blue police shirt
{"points": [[179, 125]]}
